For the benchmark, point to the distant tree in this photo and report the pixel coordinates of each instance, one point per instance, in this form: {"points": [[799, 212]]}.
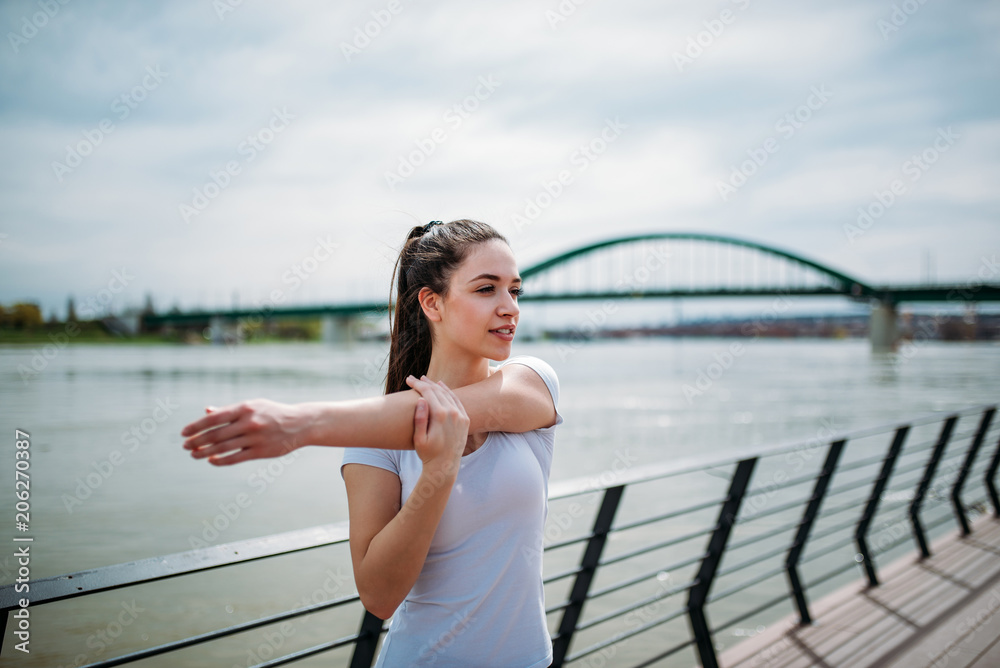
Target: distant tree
{"points": [[22, 315]]}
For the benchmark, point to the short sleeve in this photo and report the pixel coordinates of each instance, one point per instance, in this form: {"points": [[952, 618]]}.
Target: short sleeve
{"points": [[383, 459], [548, 375]]}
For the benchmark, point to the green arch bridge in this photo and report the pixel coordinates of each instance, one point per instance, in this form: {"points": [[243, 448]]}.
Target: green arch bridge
{"points": [[657, 265]]}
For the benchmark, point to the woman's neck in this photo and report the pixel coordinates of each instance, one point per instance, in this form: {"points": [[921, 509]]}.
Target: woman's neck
{"points": [[456, 370]]}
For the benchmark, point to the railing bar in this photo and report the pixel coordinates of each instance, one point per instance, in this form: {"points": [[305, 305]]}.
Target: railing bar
{"points": [[750, 540], [222, 633], [652, 472], [664, 654], [967, 467], [146, 653], [625, 635], [600, 619], [773, 511], [698, 595], [846, 487], [802, 535], [831, 574], [557, 607], [828, 548], [650, 548], [760, 608], [767, 575], [944, 438], [875, 498], [858, 463], [828, 531], [670, 515], [589, 565], [566, 543], [311, 651], [628, 583], [792, 482], [106, 578], [560, 576], [750, 562]]}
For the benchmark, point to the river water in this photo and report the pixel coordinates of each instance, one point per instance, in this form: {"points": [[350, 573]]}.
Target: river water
{"points": [[110, 482]]}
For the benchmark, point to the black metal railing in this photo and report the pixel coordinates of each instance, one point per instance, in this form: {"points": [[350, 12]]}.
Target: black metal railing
{"points": [[750, 521]]}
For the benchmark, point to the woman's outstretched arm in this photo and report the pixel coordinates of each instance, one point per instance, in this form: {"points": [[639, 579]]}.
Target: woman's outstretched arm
{"points": [[512, 399]]}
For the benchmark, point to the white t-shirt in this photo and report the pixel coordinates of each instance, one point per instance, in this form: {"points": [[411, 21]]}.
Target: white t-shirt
{"points": [[479, 599]]}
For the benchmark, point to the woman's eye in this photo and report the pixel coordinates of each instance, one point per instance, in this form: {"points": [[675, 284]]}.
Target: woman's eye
{"points": [[517, 292], [486, 288]]}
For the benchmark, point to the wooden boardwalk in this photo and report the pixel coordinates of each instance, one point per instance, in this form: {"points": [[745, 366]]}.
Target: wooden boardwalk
{"points": [[940, 612]]}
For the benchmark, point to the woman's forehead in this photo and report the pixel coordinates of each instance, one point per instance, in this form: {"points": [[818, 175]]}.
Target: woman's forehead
{"points": [[490, 257]]}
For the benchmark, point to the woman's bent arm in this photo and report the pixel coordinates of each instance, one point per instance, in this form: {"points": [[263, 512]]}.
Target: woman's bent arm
{"points": [[388, 548], [513, 399]]}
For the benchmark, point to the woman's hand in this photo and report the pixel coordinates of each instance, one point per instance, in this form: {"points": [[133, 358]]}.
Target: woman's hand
{"points": [[440, 424], [248, 430]]}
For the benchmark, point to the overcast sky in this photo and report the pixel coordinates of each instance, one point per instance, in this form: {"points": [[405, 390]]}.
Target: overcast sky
{"points": [[204, 148]]}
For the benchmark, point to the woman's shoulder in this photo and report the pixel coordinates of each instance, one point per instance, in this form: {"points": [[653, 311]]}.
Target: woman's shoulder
{"points": [[543, 368], [545, 372]]}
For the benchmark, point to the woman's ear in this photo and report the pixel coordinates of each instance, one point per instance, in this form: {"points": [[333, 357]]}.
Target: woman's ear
{"points": [[430, 303]]}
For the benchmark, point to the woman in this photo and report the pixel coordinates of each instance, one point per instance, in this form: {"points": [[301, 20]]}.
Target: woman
{"points": [[446, 488]]}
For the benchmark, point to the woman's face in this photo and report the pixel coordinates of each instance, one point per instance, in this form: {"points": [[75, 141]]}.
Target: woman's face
{"points": [[480, 311]]}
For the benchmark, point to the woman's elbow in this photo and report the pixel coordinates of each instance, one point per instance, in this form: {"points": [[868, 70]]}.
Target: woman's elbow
{"points": [[379, 606]]}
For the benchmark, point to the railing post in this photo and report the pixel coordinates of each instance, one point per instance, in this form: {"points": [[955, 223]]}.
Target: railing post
{"points": [[698, 593], [588, 567], [364, 647], [925, 483], [991, 474], [970, 459], [805, 526], [861, 533]]}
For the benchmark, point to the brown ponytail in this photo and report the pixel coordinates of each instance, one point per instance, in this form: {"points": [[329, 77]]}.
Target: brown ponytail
{"points": [[429, 256]]}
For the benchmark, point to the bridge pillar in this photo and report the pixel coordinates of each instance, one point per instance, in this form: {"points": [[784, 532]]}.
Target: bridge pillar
{"points": [[216, 327], [336, 328], [882, 327]]}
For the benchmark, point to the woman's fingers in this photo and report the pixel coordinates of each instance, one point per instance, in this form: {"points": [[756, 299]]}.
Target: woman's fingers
{"points": [[420, 420], [227, 445], [216, 435], [236, 454], [216, 417]]}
